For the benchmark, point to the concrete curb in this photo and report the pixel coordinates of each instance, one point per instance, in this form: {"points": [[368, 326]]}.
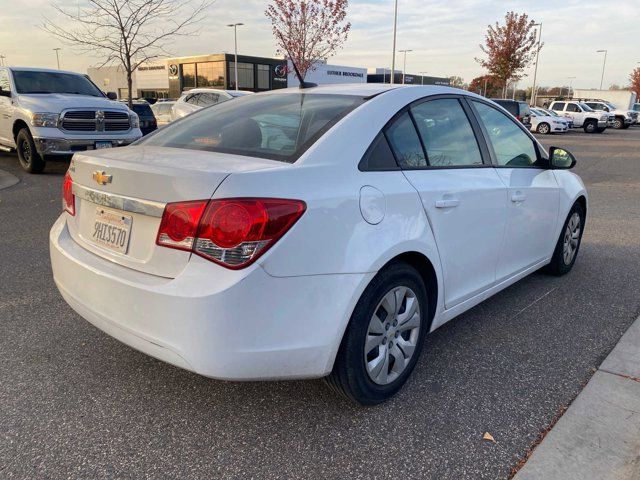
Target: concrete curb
{"points": [[599, 435], [7, 180]]}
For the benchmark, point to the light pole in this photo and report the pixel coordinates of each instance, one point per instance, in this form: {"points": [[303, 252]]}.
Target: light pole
{"points": [[422, 77], [570, 83], [535, 71], [404, 67], [2, 57], [604, 63], [57, 56], [393, 58], [235, 40]]}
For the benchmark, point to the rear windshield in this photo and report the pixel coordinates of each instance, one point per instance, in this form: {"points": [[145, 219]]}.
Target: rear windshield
{"points": [[273, 126], [524, 109], [142, 110], [511, 107], [30, 82]]}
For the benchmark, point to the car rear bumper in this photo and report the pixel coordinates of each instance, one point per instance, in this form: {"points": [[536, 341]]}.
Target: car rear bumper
{"points": [[233, 325]]}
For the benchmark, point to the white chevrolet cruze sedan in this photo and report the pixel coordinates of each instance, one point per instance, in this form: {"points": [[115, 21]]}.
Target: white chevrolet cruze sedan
{"points": [[312, 233]]}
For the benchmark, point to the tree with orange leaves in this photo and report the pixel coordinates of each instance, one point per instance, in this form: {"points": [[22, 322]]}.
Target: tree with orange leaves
{"points": [[510, 48], [634, 78], [308, 31]]}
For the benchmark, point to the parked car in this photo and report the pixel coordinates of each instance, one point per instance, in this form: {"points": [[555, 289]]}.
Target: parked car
{"points": [[569, 120], [311, 233], [544, 123], [148, 122], [197, 98], [623, 118], [52, 112], [518, 109], [636, 108], [583, 116], [162, 112]]}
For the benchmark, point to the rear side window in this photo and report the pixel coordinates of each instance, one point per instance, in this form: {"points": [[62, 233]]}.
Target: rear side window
{"points": [[558, 106], [512, 147], [405, 143], [142, 110], [379, 156], [278, 126], [446, 133]]}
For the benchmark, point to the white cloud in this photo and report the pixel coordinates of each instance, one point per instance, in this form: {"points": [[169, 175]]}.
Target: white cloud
{"points": [[443, 34]]}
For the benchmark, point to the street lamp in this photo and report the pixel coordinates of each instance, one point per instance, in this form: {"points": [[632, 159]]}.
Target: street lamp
{"points": [[404, 67], [604, 63], [570, 83], [2, 57], [422, 77], [535, 72], [393, 58], [235, 39], [57, 56]]}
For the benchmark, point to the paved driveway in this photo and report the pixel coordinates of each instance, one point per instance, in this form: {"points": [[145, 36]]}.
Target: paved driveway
{"points": [[76, 403]]}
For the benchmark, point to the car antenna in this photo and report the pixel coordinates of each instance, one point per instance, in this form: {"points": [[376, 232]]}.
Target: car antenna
{"points": [[303, 84]]}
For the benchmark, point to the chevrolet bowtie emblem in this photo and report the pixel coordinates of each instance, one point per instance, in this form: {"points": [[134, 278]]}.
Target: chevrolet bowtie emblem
{"points": [[102, 178]]}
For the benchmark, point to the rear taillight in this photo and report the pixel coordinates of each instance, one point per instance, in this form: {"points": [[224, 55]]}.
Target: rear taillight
{"points": [[68, 199], [233, 232]]}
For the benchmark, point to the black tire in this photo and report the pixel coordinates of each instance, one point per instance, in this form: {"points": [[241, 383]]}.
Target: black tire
{"points": [[618, 123], [559, 265], [626, 125], [601, 129], [543, 128], [29, 158], [590, 126], [350, 376]]}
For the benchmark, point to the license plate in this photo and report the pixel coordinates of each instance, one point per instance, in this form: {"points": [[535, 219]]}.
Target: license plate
{"points": [[111, 230], [103, 145]]}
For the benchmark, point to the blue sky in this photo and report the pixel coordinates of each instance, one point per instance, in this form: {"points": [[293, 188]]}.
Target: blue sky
{"points": [[444, 36]]}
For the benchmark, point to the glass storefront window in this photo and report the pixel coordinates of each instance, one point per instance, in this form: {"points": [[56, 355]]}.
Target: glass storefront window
{"points": [[210, 74], [188, 75], [264, 77], [245, 75]]}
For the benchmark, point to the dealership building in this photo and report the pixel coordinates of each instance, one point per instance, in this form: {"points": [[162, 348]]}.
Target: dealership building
{"points": [[168, 78]]}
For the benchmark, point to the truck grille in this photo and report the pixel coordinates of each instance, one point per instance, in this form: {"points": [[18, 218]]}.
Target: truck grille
{"points": [[91, 121]]}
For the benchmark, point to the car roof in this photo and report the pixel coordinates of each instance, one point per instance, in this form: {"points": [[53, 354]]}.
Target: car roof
{"points": [[47, 70], [205, 90], [364, 89]]}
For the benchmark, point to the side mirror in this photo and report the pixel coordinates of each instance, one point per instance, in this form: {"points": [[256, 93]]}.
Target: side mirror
{"points": [[4, 93], [561, 159], [112, 96]]}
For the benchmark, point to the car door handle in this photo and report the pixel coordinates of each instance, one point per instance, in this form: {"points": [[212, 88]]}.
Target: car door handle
{"points": [[518, 197], [448, 203]]}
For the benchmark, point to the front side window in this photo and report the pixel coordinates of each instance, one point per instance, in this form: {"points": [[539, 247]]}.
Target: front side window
{"points": [[405, 143], [278, 126], [446, 133], [512, 146], [34, 82], [192, 98], [207, 99], [572, 107]]}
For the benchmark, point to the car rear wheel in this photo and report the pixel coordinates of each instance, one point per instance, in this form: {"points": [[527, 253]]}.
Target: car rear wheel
{"points": [[29, 158], [544, 128], [566, 251], [591, 126], [384, 337], [618, 123]]}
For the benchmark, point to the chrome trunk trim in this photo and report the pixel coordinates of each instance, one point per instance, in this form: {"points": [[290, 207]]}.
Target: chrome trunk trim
{"points": [[119, 202]]}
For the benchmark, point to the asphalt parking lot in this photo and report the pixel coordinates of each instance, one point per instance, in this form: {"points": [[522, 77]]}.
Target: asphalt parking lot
{"points": [[78, 404]]}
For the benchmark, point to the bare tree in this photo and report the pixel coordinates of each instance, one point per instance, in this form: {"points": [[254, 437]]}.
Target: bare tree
{"points": [[510, 48], [308, 31], [126, 32]]}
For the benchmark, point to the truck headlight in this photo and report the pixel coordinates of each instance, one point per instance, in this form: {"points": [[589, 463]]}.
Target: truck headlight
{"points": [[135, 120], [45, 119]]}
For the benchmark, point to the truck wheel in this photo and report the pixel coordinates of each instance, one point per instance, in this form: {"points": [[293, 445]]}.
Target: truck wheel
{"points": [[626, 125], [590, 126], [618, 123], [600, 129], [30, 159]]}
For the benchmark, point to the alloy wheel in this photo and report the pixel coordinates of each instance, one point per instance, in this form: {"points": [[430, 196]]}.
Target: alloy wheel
{"points": [[392, 335], [571, 239]]}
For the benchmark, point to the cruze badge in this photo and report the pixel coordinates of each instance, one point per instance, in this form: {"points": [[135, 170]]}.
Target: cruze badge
{"points": [[102, 178]]}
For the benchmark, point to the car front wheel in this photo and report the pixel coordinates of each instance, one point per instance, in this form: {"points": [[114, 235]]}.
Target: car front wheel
{"points": [[544, 128], [384, 337], [591, 126], [566, 251]]}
